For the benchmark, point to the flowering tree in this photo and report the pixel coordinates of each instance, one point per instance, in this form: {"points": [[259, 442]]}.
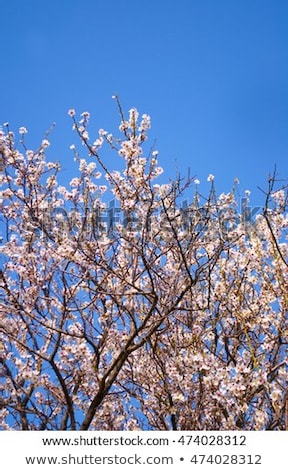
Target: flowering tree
{"points": [[123, 306]]}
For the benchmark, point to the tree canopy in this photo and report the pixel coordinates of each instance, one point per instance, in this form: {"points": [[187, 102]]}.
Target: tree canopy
{"points": [[131, 304]]}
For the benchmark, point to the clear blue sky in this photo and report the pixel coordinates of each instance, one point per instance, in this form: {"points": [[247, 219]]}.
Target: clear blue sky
{"points": [[213, 75]]}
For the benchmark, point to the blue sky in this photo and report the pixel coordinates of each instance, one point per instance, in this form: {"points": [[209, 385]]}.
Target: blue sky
{"points": [[213, 75]]}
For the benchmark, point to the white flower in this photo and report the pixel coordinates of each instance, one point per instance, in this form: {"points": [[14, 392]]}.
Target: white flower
{"points": [[23, 130], [75, 182], [85, 135], [83, 165], [72, 147], [51, 165], [123, 126], [196, 181], [91, 167], [210, 177], [85, 115], [164, 188], [71, 112], [30, 155], [145, 123], [279, 197], [247, 193], [45, 143], [98, 142]]}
